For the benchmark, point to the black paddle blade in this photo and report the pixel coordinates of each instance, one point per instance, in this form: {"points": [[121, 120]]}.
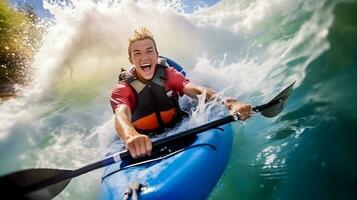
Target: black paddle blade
{"points": [[275, 106], [20, 185]]}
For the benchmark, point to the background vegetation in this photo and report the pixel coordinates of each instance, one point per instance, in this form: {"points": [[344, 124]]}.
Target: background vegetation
{"points": [[19, 38]]}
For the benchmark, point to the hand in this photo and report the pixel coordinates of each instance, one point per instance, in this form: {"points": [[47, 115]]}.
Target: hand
{"points": [[138, 145], [244, 110]]}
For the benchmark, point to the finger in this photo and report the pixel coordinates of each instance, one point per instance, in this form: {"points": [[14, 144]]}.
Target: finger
{"points": [[247, 115], [131, 148], [247, 110], [133, 152], [142, 147], [148, 146], [137, 148], [242, 116]]}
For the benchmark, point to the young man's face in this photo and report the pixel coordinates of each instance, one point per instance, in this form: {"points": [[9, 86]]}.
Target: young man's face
{"points": [[144, 57]]}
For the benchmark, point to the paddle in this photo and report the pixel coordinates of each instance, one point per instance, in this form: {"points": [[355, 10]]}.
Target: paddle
{"points": [[47, 183]]}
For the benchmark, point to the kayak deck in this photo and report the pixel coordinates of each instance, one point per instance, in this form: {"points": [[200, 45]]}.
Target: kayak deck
{"points": [[192, 173]]}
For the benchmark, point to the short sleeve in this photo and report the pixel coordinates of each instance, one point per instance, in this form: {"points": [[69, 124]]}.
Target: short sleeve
{"points": [[122, 94], [175, 80]]}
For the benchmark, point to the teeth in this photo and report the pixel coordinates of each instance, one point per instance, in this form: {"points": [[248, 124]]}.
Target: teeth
{"points": [[145, 65]]}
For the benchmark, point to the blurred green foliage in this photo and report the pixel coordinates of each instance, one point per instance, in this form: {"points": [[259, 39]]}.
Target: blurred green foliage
{"points": [[19, 39]]}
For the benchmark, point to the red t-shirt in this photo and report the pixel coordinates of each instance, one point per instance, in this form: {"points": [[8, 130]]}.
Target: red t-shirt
{"points": [[123, 93]]}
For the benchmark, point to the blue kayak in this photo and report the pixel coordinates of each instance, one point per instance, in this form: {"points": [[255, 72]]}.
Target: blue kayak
{"points": [[189, 172]]}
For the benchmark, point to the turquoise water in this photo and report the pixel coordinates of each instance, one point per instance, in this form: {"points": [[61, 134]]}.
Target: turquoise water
{"points": [[248, 49], [313, 143]]}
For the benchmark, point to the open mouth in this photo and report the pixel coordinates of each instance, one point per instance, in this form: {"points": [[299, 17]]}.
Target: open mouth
{"points": [[146, 67]]}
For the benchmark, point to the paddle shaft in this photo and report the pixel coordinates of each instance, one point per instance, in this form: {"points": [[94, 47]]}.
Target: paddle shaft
{"points": [[269, 109], [126, 154]]}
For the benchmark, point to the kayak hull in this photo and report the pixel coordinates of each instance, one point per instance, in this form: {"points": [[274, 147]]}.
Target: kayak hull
{"points": [[190, 174]]}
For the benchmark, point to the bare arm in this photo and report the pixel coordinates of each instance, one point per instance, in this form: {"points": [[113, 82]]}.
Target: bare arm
{"points": [[138, 145], [233, 105], [192, 90]]}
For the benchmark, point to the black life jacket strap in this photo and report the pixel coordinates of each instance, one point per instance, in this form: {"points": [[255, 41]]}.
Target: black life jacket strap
{"points": [[157, 112]]}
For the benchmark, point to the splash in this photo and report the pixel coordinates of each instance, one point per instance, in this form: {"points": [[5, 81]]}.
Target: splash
{"points": [[239, 48]]}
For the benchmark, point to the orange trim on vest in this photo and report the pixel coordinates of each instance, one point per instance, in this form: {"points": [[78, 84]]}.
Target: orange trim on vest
{"points": [[149, 122]]}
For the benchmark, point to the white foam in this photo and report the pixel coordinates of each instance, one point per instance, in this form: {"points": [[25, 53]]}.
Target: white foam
{"points": [[235, 47]]}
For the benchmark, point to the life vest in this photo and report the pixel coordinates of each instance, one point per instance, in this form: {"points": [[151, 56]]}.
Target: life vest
{"points": [[155, 108]]}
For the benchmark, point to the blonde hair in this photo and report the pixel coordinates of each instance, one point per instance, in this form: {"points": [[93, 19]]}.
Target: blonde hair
{"points": [[141, 34]]}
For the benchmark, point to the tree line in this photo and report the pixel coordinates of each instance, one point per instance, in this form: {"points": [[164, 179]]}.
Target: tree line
{"points": [[20, 36]]}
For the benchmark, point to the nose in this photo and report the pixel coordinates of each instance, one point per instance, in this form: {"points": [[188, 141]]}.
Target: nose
{"points": [[145, 57]]}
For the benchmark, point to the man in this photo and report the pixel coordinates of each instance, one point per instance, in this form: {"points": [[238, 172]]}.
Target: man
{"points": [[145, 100]]}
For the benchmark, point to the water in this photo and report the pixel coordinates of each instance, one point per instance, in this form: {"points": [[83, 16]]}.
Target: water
{"points": [[247, 49]]}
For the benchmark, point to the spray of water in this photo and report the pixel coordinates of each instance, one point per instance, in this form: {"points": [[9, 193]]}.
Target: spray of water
{"points": [[64, 116]]}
